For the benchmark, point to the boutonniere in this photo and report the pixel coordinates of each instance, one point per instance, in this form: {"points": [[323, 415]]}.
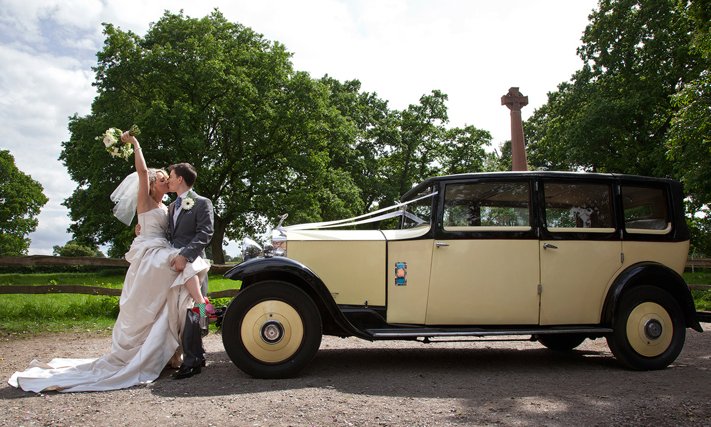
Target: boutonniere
{"points": [[188, 203]]}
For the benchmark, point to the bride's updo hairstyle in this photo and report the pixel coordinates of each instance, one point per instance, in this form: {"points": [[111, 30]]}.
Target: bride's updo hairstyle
{"points": [[153, 176]]}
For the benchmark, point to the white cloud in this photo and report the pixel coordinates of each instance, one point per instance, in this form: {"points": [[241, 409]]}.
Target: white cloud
{"points": [[402, 49], [37, 94]]}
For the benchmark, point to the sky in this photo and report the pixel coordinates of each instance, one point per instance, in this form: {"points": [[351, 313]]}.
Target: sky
{"points": [[472, 50]]}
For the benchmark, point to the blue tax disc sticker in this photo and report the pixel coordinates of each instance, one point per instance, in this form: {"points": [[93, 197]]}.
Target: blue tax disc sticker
{"points": [[400, 273]]}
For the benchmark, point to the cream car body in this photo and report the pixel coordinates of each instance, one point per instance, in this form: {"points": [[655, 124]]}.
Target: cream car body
{"points": [[558, 256]]}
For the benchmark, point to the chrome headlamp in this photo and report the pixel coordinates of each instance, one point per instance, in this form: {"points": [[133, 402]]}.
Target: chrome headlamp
{"points": [[273, 243]]}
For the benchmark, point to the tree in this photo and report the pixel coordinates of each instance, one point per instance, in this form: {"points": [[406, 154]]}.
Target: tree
{"points": [[690, 135], [220, 96], [72, 249], [21, 199], [419, 144], [373, 132], [615, 112], [464, 152], [265, 139]]}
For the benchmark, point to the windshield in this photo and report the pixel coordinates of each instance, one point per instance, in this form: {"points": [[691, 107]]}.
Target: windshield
{"points": [[418, 210]]}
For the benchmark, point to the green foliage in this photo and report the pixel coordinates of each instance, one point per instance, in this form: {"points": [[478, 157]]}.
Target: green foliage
{"points": [[72, 249], [42, 309], [360, 151], [702, 297], [690, 135], [614, 114], [266, 139], [21, 199], [464, 152], [640, 104], [38, 313], [219, 89], [107, 278], [421, 130], [700, 229]]}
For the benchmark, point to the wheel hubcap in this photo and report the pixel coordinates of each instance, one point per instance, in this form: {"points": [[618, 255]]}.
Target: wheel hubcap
{"points": [[653, 329], [272, 331], [649, 329]]}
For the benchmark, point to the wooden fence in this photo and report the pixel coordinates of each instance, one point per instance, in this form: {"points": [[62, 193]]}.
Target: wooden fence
{"points": [[43, 260], [695, 263]]}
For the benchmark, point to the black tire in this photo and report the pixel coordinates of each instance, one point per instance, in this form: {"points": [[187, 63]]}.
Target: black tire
{"points": [[271, 329], [561, 342], [648, 329]]}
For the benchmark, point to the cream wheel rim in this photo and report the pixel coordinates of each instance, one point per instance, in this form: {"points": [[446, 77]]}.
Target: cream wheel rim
{"points": [[272, 331], [649, 329]]}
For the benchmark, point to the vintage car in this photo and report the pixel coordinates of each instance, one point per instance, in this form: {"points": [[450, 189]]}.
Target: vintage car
{"points": [[557, 256]]}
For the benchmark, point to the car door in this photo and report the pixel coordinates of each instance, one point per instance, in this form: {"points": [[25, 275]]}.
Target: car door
{"points": [[485, 265], [580, 249]]}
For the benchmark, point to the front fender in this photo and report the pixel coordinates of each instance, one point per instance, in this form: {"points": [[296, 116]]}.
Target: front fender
{"points": [[258, 269], [249, 269], [651, 273]]}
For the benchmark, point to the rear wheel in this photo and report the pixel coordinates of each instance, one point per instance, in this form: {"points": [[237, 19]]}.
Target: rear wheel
{"points": [[648, 329], [561, 342], [271, 329]]}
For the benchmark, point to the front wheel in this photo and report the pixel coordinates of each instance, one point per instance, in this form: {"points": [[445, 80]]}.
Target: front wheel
{"points": [[648, 329], [271, 329]]}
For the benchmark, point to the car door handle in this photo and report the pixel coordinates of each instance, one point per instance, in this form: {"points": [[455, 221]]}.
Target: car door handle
{"points": [[441, 244], [549, 246]]}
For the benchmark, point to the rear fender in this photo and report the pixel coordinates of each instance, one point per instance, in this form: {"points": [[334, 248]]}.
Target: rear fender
{"points": [[655, 274]]}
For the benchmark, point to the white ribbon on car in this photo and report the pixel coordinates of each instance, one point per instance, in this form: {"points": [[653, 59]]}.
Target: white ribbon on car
{"points": [[365, 218]]}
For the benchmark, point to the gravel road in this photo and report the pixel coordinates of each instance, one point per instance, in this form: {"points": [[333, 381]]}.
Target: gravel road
{"points": [[355, 382]]}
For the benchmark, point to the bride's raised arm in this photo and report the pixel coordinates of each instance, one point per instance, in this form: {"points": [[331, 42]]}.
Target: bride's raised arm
{"points": [[144, 186]]}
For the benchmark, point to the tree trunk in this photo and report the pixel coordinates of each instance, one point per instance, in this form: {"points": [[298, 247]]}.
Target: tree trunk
{"points": [[218, 254]]}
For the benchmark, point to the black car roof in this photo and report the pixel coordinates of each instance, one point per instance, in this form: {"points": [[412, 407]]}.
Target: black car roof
{"points": [[547, 174]]}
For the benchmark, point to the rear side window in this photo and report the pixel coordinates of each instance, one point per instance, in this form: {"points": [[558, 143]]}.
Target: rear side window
{"points": [[645, 209], [575, 206], [487, 205]]}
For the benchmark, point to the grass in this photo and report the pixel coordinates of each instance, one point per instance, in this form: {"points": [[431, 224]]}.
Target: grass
{"points": [[108, 279], [32, 314], [702, 298], [27, 315]]}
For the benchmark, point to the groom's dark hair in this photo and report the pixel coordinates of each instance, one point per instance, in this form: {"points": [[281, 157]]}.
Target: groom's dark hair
{"points": [[186, 171]]}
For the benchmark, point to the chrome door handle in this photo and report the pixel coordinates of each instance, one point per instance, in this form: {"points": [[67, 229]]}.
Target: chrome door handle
{"points": [[549, 246], [441, 244]]}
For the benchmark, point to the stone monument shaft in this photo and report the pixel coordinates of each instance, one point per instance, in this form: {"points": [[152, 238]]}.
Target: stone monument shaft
{"points": [[515, 100]]}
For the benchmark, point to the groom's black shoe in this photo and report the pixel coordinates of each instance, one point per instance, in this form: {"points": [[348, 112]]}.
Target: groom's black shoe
{"points": [[186, 372]]}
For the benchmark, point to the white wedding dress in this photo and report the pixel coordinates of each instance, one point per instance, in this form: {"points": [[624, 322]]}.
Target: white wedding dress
{"points": [[146, 335]]}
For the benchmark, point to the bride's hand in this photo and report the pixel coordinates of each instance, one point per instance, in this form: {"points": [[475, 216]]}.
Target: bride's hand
{"points": [[127, 138]]}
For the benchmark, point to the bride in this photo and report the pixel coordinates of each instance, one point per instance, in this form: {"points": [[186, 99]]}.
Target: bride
{"points": [[153, 305]]}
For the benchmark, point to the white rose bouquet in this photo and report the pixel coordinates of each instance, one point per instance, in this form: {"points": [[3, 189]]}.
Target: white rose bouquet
{"points": [[114, 146]]}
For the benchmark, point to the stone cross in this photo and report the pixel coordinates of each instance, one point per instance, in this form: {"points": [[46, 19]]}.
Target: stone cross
{"points": [[515, 101]]}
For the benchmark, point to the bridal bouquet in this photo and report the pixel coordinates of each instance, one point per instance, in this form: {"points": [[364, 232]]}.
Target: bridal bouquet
{"points": [[114, 146]]}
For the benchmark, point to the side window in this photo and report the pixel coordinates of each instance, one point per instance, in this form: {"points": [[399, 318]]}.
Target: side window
{"points": [[487, 205], [574, 206], [645, 209]]}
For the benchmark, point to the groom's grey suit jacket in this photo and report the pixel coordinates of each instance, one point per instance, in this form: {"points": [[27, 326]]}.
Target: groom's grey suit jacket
{"points": [[193, 228]]}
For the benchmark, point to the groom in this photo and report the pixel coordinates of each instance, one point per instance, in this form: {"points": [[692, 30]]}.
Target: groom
{"points": [[190, 219]]}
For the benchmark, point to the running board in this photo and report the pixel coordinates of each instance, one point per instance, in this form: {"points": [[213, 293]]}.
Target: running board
{"points": [[401, 333]]}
